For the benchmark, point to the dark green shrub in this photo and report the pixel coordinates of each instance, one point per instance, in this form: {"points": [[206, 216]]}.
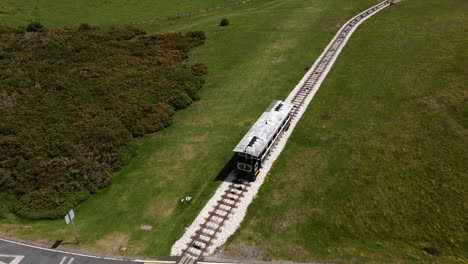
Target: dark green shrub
{"points": [[73, 102], [199, 69], [84, 27], [4, 55], [43, 204], [4, 211], [179, 99], [196, 37], [191, 89], [189, 82], [433, 250], [6, 205], [155, 121], [224, 22], [48, 203], [125, 32], [35, 26]]}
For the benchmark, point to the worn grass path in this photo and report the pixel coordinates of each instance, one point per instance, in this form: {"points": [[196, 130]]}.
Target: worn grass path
{"points": [[259, 57], [376, 170]]}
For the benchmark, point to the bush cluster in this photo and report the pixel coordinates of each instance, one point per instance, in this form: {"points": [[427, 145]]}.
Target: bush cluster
{"points": [[224, 22], [71, 100], [34, 27]]}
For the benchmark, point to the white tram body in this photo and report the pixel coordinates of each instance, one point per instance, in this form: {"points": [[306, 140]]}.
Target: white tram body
{"points": [[255, 146]]}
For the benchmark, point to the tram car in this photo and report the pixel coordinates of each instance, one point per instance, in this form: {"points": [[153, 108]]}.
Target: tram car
{"points": [[255, 146]]}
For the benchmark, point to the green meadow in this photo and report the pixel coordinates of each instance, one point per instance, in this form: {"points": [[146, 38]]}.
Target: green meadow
{"points": [[377, 169], [259, 57], [374, 171], [97, 12]]}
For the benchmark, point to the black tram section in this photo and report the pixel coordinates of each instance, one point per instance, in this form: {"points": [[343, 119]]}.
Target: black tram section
{"points": [[255, 146]]}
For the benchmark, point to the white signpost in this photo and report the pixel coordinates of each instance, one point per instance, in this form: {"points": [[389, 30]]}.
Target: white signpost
{"points": [[69, 219]]}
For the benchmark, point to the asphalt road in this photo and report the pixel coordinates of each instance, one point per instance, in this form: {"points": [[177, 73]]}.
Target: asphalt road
{"points": [[17, 253]]}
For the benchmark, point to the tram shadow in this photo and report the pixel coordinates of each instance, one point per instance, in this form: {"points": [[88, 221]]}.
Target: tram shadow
{"points": [[227, 169]]}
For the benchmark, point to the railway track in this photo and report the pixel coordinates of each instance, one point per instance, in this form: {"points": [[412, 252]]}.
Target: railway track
{"points": [[300, 97], [212, 225], [200, 241]]}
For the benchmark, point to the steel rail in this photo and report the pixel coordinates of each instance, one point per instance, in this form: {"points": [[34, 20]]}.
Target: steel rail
{"points": [[210, 227]]}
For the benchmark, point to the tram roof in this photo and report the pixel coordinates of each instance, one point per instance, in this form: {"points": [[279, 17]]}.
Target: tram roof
{"points": [[256, 140]]}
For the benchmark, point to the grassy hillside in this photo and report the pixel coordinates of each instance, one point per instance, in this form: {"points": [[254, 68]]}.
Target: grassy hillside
{"points": [[377, 168], [60, 13], [259, 57]]}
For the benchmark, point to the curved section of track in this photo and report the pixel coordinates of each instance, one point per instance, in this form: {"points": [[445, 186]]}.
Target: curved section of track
{"points": [[314, 77], [224, 212]]}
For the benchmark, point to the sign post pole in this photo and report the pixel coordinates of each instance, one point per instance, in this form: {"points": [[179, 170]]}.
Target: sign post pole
{"points": [[74, 232], [69, 218]]}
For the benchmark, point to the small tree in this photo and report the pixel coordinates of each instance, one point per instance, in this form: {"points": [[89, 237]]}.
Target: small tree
{"points": [[224, 22], [35, 26]]}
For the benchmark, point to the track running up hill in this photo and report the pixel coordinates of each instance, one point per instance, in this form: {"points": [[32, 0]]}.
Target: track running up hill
{"points": [[224, 212]]}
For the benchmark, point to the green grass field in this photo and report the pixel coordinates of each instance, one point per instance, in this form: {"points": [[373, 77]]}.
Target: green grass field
{"points": [[376, 171], [385, 138], [258, 58], [59, 13]]}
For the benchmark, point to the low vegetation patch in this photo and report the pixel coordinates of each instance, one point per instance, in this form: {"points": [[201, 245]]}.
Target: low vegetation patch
{"points": [[224, 22], [71, 100]]}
